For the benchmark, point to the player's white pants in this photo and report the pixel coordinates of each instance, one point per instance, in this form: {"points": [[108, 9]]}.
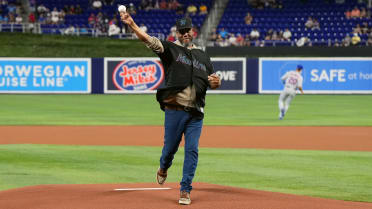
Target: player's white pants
{"points": [[285, 99]]}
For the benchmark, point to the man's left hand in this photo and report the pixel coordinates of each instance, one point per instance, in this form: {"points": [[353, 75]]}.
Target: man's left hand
{"points": [[214, 81]]}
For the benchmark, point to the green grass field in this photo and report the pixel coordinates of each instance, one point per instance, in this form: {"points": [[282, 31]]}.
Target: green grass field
{"points": [[31, 45], [330, 174], [236, 110]]}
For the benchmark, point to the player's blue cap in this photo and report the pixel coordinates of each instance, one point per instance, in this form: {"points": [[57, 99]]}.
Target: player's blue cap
{"points": [[300, 67]]}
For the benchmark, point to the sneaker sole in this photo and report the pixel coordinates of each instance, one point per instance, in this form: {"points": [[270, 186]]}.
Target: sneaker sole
{"points": [[184, 202]]}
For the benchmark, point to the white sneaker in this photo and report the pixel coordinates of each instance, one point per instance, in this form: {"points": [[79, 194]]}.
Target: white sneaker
{"points": [[184, 198]]}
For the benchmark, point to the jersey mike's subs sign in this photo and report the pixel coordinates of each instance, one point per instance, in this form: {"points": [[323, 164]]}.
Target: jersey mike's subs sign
{"points": [[45, 75], [133, 75], [320, 75]]}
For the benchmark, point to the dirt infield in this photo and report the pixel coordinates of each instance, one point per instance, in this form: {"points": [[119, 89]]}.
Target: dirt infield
{"points": [[313, 138], [103, 196], [206, 196]]}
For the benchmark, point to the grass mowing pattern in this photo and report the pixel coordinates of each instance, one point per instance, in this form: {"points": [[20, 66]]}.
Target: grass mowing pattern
{"points": [[241, 110], [329, 174]]}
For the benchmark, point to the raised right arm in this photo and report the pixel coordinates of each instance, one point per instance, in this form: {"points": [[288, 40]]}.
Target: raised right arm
{"points": [[151, 42]]}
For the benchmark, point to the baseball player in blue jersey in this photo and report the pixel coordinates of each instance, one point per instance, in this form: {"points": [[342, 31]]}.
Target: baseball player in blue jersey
{"points": [[292, 81]]}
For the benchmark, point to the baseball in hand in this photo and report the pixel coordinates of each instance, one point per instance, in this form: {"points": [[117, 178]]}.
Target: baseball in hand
{"points": [[122, 8]]}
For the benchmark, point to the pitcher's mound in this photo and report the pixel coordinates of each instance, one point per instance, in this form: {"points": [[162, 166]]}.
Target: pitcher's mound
{"points": [[149, 196]]}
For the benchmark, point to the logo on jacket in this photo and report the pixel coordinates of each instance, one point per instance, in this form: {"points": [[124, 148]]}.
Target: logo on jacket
{"points": [[138, 75]]}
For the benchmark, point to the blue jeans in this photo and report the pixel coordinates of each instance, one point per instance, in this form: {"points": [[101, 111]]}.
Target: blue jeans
{"points": [[176, 124]]}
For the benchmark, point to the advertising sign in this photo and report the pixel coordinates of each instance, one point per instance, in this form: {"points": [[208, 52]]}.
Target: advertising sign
{"points": [[321, 75], [45, 75], [133, 75], [145, 75], [232, 72]]}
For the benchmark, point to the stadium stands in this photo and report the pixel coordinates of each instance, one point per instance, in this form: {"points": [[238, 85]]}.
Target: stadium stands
{"points": [[301, 22], [292, 15]]}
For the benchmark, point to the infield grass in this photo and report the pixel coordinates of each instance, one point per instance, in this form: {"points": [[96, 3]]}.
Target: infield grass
{"points": [[329, 174], [235, 110]]}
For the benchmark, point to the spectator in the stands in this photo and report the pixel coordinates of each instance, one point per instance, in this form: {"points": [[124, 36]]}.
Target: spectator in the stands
{"points": [[42, 19], [143, 27], [221, 41], [363, 12], [163, 4], [346, 41], [71, 10], [247, 41], [316, 25], [113, 28], [195, 32], [255, 34], [369, 41], [61, 16], [248, 19], [11, 8], [269, 34], [97, 4], [357, 29], [144, 5], [179, 9], [355, 13], [3, 2], [275, 36], [192, 9], [55, 16], [78, 10], [66, 9], [5, 19], [172, 35], [203, 9], [232, 40], [42, 10], [173, 4], [355, 40], [132, 9], [287, 35], [348, 14], [239, 40], [18, 19], [309, 23], [223, 33], [171, 38], [11, 17], [212, 36], [92, 19], [31, 18], [100, 25], [364, 28]]}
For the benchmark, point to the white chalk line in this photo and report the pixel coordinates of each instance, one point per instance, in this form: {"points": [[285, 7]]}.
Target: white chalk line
{"points": [[141, 189]]}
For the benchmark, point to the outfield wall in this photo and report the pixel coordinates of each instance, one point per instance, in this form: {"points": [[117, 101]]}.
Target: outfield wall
{"points": [[146, 74]]}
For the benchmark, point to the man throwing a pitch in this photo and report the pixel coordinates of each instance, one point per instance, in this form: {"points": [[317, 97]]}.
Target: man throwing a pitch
{"points": [[292, 81], [188, 74]]}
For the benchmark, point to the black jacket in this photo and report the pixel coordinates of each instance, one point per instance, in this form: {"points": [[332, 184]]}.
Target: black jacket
{"points": [[184, 67]]}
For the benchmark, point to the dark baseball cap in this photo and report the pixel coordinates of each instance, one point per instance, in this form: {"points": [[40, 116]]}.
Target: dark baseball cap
{"points": [[300, 67], [183, 23]]}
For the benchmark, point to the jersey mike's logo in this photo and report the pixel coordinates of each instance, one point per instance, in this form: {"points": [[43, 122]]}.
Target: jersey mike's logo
{"points": [[138, 75]]}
